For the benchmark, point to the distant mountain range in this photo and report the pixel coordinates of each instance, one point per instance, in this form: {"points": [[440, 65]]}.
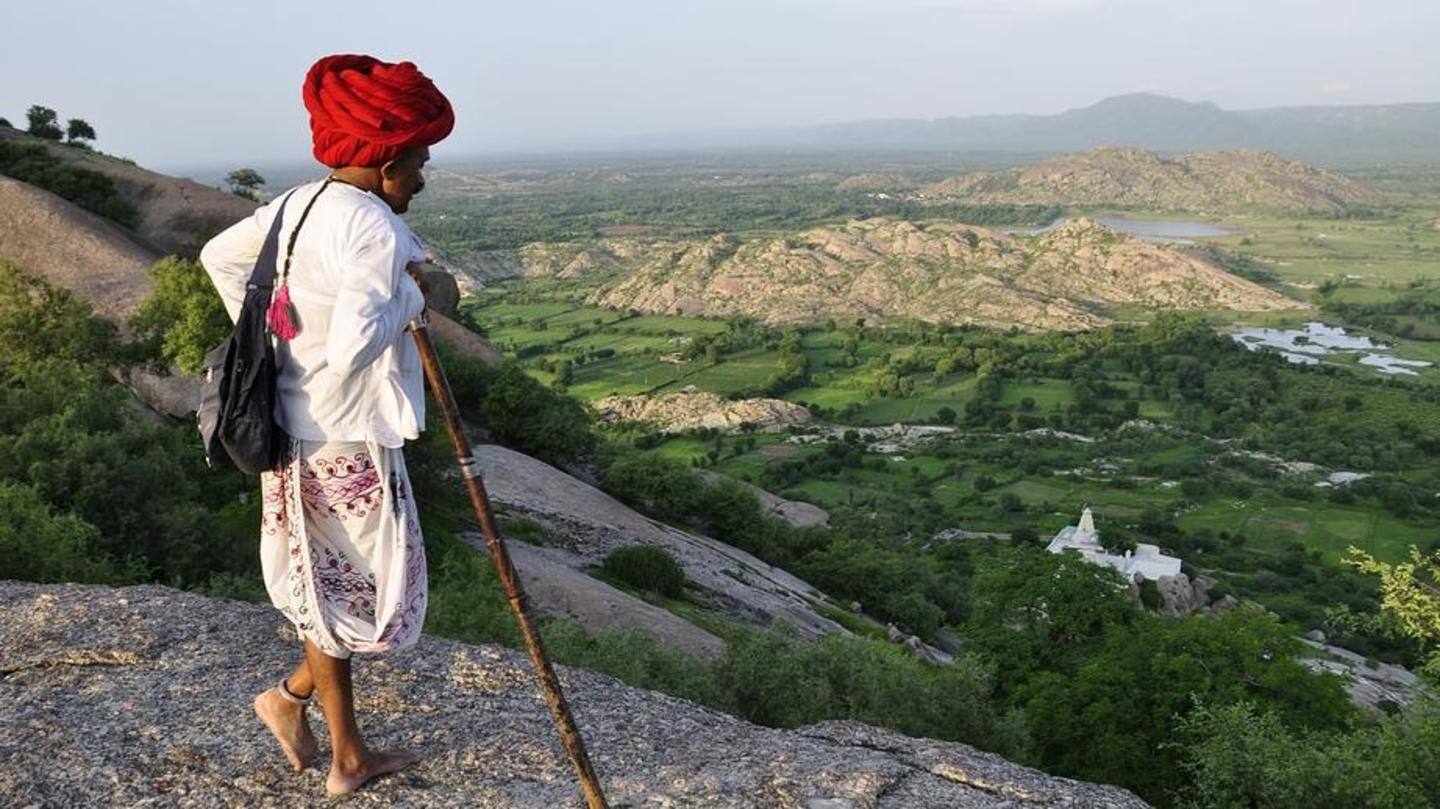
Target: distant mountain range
{"points": [[1336, 135]]}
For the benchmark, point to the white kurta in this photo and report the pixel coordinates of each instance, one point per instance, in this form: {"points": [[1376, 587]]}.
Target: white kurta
{"points": [[351, 374], [340, 546]]}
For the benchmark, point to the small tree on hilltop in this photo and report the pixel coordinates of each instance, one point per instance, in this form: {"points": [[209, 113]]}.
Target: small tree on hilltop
{"points": [[77, 130], [42, 123], [6, 122], [245, 183]]}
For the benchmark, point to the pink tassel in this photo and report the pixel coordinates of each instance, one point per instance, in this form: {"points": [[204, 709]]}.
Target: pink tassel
{"points": [[281, 314]]}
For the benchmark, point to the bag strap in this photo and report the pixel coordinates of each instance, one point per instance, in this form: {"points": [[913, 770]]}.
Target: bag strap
{"points": [[290, 246], [264, 273]]}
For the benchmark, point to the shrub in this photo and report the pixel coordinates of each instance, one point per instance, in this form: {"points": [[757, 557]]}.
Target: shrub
{"points": [[183, 318], [519, 411], [39, 322], [647, 567], [38, 545]]}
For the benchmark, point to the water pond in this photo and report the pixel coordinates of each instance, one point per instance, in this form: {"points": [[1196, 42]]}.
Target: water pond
{"points": [[1316, 341], [1158, 230]]}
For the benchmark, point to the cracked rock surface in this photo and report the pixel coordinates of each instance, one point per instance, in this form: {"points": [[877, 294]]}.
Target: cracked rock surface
{"points": [[141, 695]]}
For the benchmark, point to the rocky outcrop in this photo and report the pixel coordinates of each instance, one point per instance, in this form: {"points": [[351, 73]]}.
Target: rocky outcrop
{"points": [[1134, 178], [796, 512], [690, 409], [1376, 687], [586, 524], [557, 585], [1179, 596], [943, 272], [141, 695]]}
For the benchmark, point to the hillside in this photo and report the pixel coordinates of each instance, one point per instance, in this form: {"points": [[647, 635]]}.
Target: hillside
{"points": [[175, 215], [1134, 178], [944, 272], [110, 697], [71, 247]]}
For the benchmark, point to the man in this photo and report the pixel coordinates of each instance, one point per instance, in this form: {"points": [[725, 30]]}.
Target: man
{"points": [[340, 544]]}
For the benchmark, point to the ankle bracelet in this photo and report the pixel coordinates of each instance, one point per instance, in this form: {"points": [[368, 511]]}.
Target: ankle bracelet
{"points": [[290, 695]]}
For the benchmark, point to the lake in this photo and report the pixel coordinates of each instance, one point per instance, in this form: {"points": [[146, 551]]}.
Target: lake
{"points": [[1157, 230], [1308, 345]]}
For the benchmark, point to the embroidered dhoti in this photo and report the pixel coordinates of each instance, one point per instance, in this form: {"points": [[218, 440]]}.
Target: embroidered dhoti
{"points": [[341, 548]]}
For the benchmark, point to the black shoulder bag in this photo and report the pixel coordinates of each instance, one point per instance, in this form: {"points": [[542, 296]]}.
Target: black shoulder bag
{"points": [[237, 406]]}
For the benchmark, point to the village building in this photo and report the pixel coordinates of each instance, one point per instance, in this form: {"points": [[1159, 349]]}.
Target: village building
{"points": [[1146, 560]]}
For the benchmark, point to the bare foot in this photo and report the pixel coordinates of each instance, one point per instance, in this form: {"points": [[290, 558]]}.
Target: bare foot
{"points": [[287, 721], [344, 780]]}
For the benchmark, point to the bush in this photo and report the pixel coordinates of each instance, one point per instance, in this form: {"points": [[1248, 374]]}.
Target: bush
{"points": [[1243, 755], [39, 322], [647, 567], [39, 545], [183, 318], [776, 680], [519, 411]]}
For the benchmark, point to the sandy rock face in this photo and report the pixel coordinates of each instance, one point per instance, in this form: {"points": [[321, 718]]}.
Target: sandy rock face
{"points": [[140, 695], [941, 272], [688, 409], [50, 237]]}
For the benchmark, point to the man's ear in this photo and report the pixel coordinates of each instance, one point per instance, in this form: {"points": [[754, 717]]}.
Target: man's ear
{"points": [[388, 169]]}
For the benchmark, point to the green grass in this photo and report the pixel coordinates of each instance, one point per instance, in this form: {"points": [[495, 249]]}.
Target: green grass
{"points": [[1047, 393], [621, 376], [1319, 525], [664, 324]]}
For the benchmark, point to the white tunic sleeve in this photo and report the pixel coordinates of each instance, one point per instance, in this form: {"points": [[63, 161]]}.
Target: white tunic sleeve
{"points": [[375, 301], [229, 258]]}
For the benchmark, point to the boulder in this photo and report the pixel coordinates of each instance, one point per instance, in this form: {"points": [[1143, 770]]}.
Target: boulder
{"points": [[1177, 596], [141, 696]]}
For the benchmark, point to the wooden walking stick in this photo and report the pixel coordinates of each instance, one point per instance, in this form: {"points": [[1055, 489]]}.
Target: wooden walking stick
{"points": [[549, 683]]}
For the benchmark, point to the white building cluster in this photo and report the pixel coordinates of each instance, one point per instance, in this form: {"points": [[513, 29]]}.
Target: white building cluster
{"points": [[1146, 560]]}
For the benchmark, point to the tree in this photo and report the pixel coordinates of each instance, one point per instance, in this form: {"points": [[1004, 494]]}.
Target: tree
{"points": [[1410, 598], [1126, 696], [76, 130], [6, 122], [564, 374], [1032, 610], [1240, 755], [1025, 536], [42, 123], [245, 183]]}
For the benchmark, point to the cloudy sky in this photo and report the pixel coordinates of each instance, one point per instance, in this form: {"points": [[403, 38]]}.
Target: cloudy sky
{"points": [[180, 84]]}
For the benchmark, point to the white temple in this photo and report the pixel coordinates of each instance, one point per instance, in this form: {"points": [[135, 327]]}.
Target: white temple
{"points": [[1146, 560]]}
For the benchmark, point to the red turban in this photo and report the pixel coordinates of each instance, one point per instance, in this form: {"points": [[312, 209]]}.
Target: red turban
{"points": [[364, 111]]}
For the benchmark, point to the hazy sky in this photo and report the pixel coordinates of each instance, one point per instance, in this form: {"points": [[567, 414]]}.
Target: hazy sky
{"points": [[178, 84]]}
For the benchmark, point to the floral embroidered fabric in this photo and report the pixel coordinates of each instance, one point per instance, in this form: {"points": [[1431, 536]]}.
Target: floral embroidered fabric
{"points": [[342, 551]]}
